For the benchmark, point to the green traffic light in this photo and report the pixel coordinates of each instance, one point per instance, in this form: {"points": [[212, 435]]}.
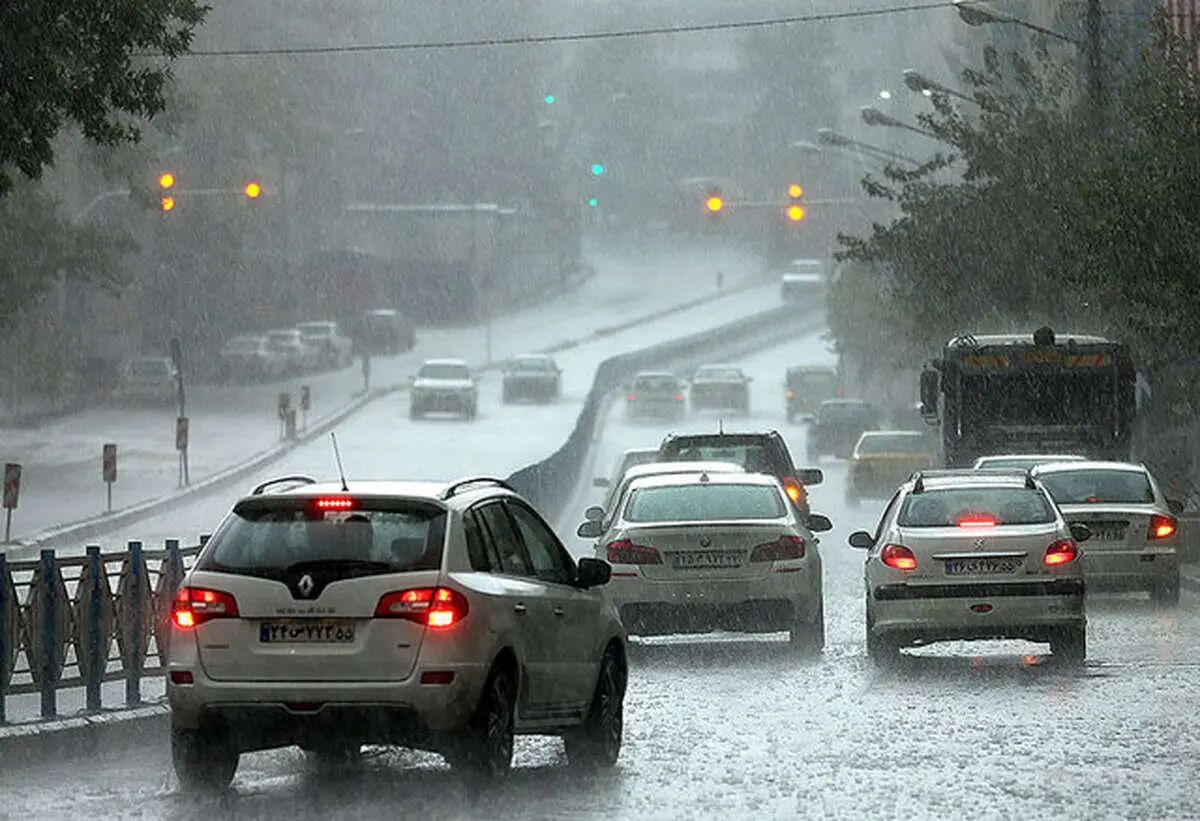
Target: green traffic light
{"points": [[549, 99], [593, 202], [597, 169]]}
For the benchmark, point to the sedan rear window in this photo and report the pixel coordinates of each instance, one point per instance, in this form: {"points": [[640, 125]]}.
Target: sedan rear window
{"points": [[446, 371], [656, 383], [704, 502], [1077, 487], [722, 374], [976, 506], [270, 539]]}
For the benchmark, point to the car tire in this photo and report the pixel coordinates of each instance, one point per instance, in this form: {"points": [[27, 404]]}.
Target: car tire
{"points": [[204, 762], [883, 652], [486, 748], [1166, 593], [597, 743], [1070, 644], [809, 639]]}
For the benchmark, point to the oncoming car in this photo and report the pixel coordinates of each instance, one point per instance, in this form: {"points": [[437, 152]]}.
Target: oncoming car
{"points": [[973, 555], [439, 617], [445, 385], [701, 552]]}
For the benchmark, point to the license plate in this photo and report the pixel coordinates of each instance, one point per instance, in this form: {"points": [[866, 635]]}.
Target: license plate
{"points": [[706, 559], [983, 567], [1108, 534], [306, 632]]}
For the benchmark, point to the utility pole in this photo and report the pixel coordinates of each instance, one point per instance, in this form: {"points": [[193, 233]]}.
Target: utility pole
{"points": [[1094, 43]]}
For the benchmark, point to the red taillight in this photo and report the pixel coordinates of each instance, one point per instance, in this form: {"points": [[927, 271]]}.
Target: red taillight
{"points": [[1064, 551], [624, 551], [899, 557], [795, 491], [631, 397], [785, 547], [335, 503], [978, 520], [195, 605], [182, 677], [431, 606], [1162, 527], [679, 397]]}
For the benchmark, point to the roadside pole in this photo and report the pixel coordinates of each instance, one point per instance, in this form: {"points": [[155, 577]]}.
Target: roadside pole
{"points": [[182, 420], [109, 470], [305, 404], [12, 491], [283, 408], [181, 445]]}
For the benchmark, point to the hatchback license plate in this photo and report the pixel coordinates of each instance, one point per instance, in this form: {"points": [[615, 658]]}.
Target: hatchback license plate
{"points": [[1108, 534], [706, 560], [304, 632], [982, 567]]}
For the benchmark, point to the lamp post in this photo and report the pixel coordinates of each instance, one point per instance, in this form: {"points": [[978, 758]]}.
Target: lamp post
{"points": [[873, 116], [921, 84], [827, 136]]}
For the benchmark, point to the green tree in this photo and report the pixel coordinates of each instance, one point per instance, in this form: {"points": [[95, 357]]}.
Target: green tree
{"points": [[77, 61]]}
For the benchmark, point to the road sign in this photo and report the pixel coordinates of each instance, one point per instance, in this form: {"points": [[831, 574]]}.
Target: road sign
{"points": [[305, 398], [181, 433], [110, 462], [12, 485]]}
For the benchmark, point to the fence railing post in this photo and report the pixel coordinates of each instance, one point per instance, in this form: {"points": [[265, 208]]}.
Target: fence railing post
{"points": [[97, 657], [137, 603], [46, 661], [5, 650]]}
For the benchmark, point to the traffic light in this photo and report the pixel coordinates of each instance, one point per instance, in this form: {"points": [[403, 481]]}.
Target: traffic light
{"points": [[597, 169], [714, 203], [166, 181], [593, 202], [795, 211], [253, 190], [549, 99], [167, 204]]}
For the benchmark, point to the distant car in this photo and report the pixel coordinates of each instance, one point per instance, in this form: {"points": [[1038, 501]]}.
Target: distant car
{"points": [[251, 357], [445, 385], [837, 426], [883, 460], [693, 553], [806, 387], [150, 379], [627, 460], [757, 452], [1011, 461], [335, 349], [1135, 532], [298, 356], [720, 387], [385, 331], [531, 376], [657, 394], [802, 278], [967, 554], [438, 617]]}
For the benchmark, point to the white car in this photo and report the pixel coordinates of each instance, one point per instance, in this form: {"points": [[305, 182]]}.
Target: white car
{"points": [[444, 385], [251, 357], [964, 554], [1021, 461], [296, 353], [433, 616], [151, 379], [616, 494], [335, 349], [695, 553], [628, 459], [1135, 535]]}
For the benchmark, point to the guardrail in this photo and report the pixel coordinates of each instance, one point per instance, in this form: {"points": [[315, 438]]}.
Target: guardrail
{"points": [[61, 617]]}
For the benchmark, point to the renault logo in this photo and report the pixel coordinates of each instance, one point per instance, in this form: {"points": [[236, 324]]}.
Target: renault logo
{"points": [[305, 585]]}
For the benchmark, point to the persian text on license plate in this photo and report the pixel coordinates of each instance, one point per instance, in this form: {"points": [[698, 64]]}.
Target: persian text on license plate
{"points": [[983, 567], [706, 559], [306, 632], [1108, 534]]}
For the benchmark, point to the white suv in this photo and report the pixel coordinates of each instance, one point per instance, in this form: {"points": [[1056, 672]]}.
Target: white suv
{"points": [[437, 617], [973, 554]]}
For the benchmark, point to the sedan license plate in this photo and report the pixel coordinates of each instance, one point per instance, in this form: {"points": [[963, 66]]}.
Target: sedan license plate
{"points": [[706, 560], [306, 632], [1108, 534], [983, 566]]}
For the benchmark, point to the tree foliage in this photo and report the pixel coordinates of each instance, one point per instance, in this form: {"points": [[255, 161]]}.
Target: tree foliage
{"points": [[77, 61], [1042, 209]]}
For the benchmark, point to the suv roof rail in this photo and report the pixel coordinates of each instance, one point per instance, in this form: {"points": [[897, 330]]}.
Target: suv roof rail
{"points": [[455, 487], [298, 479]]}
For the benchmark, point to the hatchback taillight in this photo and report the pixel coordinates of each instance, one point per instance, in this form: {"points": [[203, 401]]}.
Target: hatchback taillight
{"points": [[195, 605], [1161, 527], [785, 547], [1064, 551], [624, 551], [437, 607], [898, 556]]}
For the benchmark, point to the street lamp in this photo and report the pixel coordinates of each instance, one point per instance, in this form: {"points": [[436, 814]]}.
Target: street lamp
{"points": [[921, 84], [873, 116], [974, 14], [827, 136]]}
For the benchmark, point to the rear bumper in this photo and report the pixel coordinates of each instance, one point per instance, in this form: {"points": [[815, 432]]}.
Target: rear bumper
{"points": [[919, 614], [445, 402], [1129, 569]]}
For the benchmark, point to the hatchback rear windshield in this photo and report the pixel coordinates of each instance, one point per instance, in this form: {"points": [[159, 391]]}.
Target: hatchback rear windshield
{"points": [[704, 502], [954, 507], [271, 538], [1079, 487], [535, 365]]}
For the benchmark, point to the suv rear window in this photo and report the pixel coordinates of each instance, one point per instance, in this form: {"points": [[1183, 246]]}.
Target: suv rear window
{"points": [[952, 507], [755, 455], [704, 502], [1078, 487], [280, 535]]}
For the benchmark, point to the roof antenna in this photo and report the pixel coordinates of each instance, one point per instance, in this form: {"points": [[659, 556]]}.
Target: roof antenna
{"points": [[337, 454]]}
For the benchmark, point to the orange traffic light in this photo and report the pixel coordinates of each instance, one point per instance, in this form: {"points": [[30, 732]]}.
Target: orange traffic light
{"points": [[796, 213], [168, 203], [795, 191], [253, 190], [166, 180], [714, 204]]}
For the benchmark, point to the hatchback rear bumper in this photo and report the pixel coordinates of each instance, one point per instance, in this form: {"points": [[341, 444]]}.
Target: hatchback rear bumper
{"points": [[1129, 569]]}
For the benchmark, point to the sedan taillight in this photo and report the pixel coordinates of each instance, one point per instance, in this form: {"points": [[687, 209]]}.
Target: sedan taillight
{"points": [[898, 557], [785, 547], [1161, 527], [624, 551], [1064, 551], [437, 607], [195, 605]]}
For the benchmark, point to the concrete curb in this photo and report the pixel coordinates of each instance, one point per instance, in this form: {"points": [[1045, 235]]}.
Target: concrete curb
{"points": [[29, 744]]}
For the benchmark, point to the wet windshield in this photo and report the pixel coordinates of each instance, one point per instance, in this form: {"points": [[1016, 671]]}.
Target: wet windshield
{"points": [[1098, 486], [976, 507], [703, 502]]}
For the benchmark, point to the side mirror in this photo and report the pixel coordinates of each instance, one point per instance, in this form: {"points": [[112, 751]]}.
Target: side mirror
{"points": [[818, 523], [930, 382], [595, 513], [600, 481], [810, 477], [591, 529], [1175, 506], [592, 573], [1080, 532], [861, 539]]}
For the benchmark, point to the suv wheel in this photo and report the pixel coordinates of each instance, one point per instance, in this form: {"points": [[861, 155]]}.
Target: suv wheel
{"points": [[597, 743], [486, 748], [810, 638], [1166, 592], [203, 761], [1070, 644]]}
